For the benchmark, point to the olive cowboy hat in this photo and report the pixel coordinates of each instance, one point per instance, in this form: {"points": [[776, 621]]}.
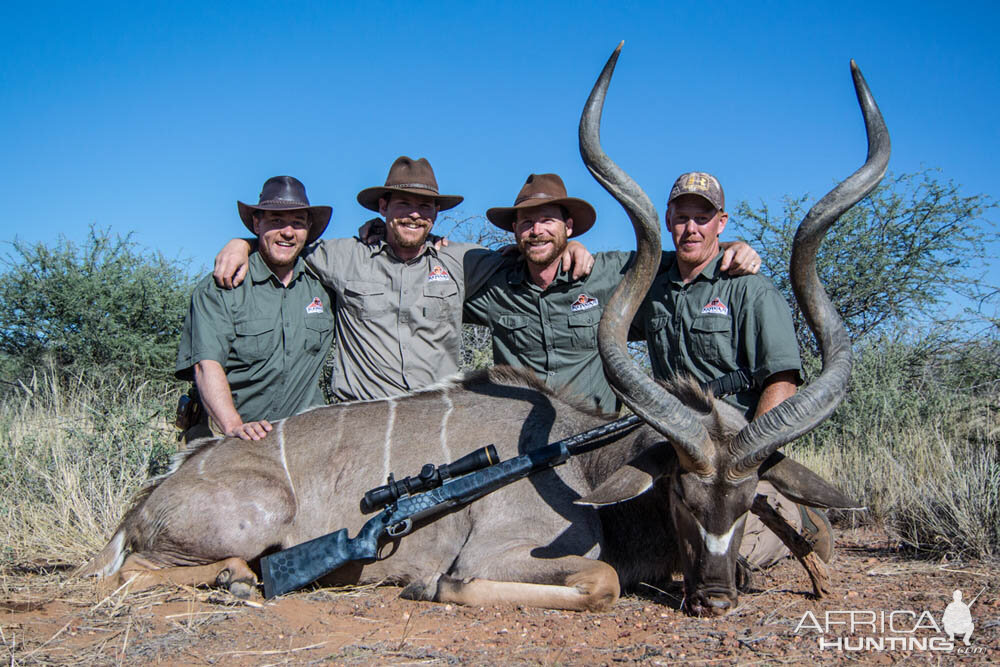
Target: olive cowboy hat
{"points": [[541, 189], [408, 175], [285, 193]]}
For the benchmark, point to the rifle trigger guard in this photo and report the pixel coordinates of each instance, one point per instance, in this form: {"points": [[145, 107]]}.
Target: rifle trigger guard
{"points": [[400, 529]]}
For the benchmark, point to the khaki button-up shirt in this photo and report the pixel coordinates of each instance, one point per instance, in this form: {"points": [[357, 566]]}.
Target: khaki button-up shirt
{"points": [[398, 323], [716, 324], [553, 331], [270, 339]]}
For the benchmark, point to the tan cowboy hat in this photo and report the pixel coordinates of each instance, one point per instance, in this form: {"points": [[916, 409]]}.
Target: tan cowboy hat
{"points": [[541, 189], [285, 193], [408, 175]]}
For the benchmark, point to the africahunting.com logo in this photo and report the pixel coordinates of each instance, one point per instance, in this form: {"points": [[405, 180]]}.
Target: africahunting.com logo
{"points": [[897, 630]]}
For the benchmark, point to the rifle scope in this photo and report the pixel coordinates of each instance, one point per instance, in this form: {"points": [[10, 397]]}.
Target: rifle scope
{"points": [[431, 476]]}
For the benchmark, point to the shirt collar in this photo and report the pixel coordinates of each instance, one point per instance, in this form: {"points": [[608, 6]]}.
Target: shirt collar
{"points": [[519, 275], [710, 272], [383, 247], [260, 272]]}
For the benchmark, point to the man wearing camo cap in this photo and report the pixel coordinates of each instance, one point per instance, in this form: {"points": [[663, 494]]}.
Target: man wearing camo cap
{"points": [[735, 332]]}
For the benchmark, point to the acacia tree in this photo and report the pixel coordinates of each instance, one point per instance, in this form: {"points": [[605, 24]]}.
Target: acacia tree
{"points": [[106, 304], [900, 253]]}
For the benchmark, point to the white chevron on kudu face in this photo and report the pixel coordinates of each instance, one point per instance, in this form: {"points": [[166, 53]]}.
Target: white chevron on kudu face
{"points": [[718, 545]]}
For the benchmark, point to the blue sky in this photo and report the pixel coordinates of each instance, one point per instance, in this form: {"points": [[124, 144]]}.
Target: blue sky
{"points": [[155, 118]]}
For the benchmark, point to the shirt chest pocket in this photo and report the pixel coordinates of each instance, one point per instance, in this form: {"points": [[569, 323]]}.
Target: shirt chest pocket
{"points": [[317, 330], [440, 300], [366, 300], [582, 329], [255, 340], [513, 332], [712, 340]]}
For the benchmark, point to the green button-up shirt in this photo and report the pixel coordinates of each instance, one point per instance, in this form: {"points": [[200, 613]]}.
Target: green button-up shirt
{"points": [[398, 323], [270, 339], [552, 331], [716, 324]]}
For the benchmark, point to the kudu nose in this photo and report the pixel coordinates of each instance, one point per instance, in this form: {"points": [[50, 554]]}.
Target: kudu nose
{"points": [[714, 603], [719, 606]]}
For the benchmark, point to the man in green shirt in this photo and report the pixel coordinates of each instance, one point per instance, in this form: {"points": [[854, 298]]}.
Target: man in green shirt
{"points": [[701, 321], [713, 326], [255, 353], [546, 320]]}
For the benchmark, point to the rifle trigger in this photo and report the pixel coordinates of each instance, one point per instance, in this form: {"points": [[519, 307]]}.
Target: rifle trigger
{"points": [[399, 529]]}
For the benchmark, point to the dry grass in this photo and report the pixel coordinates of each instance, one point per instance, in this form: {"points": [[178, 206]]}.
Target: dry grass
{"points": [[70, 458], [928, 470]]}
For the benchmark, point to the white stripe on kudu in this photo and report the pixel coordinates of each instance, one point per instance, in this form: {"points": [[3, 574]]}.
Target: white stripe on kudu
{"points": [[387, 447], [284, 461], [449, 408]]}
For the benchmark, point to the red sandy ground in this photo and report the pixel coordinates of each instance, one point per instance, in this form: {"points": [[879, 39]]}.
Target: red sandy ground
{"points": [[49, 618]]}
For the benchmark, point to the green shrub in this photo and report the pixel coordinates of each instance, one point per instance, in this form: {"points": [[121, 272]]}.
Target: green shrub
{"points": [[105, 306]]}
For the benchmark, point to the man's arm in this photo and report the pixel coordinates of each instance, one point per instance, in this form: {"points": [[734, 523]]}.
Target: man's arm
{"points": [[777, 388], [213, 388], [231, 263], [577, 258]]}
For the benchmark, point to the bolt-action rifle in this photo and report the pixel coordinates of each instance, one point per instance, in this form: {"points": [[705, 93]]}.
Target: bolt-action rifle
{"points": [[435, 490]]}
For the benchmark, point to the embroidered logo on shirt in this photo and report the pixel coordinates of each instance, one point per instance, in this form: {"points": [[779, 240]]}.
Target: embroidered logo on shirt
{"points": [[315, 307], [583, 302], [715, 306], [438, 273]]}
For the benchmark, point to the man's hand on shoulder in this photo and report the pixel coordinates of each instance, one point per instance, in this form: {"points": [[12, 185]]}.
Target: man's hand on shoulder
{"points": [[739, 259], [577, 258], [251, 430], [231, 264], [372, 232]]}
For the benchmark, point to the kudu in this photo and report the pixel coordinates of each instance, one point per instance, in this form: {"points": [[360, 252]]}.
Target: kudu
{"points": [[685, 481]]}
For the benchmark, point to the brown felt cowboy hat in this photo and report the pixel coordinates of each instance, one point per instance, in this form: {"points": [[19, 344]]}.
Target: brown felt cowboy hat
{"points": [[541, 189], [285, 193], [408, 175]]}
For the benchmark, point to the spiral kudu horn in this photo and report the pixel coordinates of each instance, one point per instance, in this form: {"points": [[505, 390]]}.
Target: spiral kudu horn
{"points": [[809, 407], [642, 394]]}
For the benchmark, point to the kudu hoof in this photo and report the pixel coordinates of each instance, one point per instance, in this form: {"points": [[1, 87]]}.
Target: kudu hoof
{"points": [[237, 583], [425, 588], [243, 589]]}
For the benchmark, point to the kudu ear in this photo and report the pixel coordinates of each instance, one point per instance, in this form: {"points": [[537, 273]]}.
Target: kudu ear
{"points": [[802, 485], [632, 479]]}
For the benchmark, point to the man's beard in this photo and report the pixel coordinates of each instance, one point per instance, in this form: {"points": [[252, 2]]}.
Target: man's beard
{"points": [[554, 251], [409, 241]]}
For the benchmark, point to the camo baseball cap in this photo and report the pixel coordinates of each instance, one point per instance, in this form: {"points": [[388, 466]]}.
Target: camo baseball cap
{"points": [[699, 183]]}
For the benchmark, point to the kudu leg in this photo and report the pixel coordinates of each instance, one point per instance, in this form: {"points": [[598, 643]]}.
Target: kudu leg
{"points": [[798, 545], [587, 585], [231, 573]]}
